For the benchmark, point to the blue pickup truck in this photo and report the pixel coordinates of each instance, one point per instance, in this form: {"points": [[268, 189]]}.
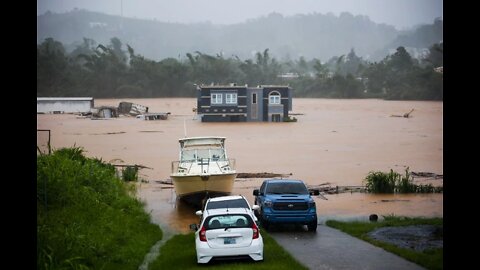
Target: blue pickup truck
{"points": [[286, 201]]}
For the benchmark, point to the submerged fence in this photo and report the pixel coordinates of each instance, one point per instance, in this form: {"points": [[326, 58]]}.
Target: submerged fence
{"points": [[43, 141]]}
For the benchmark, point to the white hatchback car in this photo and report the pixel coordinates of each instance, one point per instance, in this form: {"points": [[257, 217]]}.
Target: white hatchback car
{"points": [[233, 201], [227, 233]]}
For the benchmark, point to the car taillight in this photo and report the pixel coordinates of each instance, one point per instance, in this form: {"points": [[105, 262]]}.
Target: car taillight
{"points": [[255, 231], [203, 234]]}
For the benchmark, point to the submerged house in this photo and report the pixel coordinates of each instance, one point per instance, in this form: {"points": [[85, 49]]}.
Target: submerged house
{"points": [[131, 108], [105, 112], [232, 103]]}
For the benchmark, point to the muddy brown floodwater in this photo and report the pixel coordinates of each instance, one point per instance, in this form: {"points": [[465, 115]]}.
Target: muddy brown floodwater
{"points": [[334, 141]]}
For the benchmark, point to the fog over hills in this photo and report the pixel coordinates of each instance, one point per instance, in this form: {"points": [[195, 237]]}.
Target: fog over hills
{"points": [[314, 35]]}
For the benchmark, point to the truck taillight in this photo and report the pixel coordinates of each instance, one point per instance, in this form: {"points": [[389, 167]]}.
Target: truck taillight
{"points": [[203, 234], [255, 231]]}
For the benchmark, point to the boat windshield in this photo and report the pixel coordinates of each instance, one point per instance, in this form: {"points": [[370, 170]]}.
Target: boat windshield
{"points": [[198, 154]]}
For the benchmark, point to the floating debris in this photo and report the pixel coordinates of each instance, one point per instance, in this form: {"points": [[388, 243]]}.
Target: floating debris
{"points": [[108, 133], [405, 115], [132, 108], [165, 182], [262, 175], [427, 175], [153, 116]]}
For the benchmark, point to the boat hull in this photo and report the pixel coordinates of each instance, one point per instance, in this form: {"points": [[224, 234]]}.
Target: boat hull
{"points": [[194, 188]]}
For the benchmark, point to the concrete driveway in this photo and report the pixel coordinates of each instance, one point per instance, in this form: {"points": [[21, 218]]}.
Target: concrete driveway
{"points": [[330, 248]]}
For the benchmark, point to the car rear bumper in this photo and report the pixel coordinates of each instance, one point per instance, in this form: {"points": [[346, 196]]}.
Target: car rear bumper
{"points": [[205, 253]]}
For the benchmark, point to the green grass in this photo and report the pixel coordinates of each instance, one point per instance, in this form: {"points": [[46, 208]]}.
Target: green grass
{"points": [[87, 217], [179, 253], [430, 259]]}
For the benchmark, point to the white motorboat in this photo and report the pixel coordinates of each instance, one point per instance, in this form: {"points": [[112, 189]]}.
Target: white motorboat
{"points": [[203, 170]]}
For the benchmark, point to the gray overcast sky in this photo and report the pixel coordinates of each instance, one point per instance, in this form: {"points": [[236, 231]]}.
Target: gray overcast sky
{"points": [[399, 13]]}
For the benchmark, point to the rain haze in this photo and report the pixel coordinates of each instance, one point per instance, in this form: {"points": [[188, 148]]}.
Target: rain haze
{"points": [[402, 14], [345, 95]]}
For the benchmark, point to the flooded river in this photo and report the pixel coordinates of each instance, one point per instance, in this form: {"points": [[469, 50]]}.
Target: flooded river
{"points": [[334, 141]]}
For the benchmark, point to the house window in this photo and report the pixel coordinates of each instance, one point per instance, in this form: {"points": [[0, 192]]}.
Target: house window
{"points": [[231, 98], [274, 98], [254, 98], [216, 99]]}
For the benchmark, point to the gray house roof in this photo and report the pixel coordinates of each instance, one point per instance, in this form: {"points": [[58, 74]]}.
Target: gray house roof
{"points": [[63, 98]]}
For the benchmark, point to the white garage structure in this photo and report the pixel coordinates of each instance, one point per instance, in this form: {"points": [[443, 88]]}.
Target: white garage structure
{"points": [[64, 105]]}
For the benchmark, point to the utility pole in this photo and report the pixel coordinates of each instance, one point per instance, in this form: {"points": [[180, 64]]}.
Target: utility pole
{"points": [[121, 15]]}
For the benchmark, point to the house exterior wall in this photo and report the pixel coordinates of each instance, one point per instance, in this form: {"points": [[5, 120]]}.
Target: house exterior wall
{"points": [[245, 109], [282, 108], [222, 111], [290, 105], [255, 110], [47, 105]]}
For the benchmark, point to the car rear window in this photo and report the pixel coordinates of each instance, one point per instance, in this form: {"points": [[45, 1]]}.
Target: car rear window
{"points": [[237, 203], [228, 221]]}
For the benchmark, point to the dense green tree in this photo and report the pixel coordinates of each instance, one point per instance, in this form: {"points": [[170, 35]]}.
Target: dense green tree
{"points": [[352, 63], [116, 48], [435, 55], [51, 68], [400, 61], [374, 75], [321, 71], [101, 71]]}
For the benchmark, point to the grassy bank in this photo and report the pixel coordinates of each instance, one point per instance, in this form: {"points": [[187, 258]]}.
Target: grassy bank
{"points": [[87, 217], [430, 259], [179, 253]]}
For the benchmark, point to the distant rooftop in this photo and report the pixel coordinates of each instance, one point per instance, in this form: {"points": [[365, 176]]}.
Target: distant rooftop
{"points": [[272, 85], [234, 85], [238, 86], [63, 98]]}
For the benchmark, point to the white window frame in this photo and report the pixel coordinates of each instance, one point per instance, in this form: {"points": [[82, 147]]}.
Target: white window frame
{"points": [[231, 98], [274, 98], [216, 98]]}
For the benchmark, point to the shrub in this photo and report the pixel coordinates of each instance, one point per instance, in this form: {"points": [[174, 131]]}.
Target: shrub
{"points": [[405, 184], [380, 182], [289, 119], [130, 173], [393, 182]]}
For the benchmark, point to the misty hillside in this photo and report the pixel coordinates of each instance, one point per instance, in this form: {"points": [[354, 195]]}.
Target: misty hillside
{"points": [[312, 36], [417, 40]]}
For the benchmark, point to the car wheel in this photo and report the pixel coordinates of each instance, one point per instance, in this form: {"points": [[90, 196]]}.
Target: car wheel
{"points": [[265, 224], [312, 226]]}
